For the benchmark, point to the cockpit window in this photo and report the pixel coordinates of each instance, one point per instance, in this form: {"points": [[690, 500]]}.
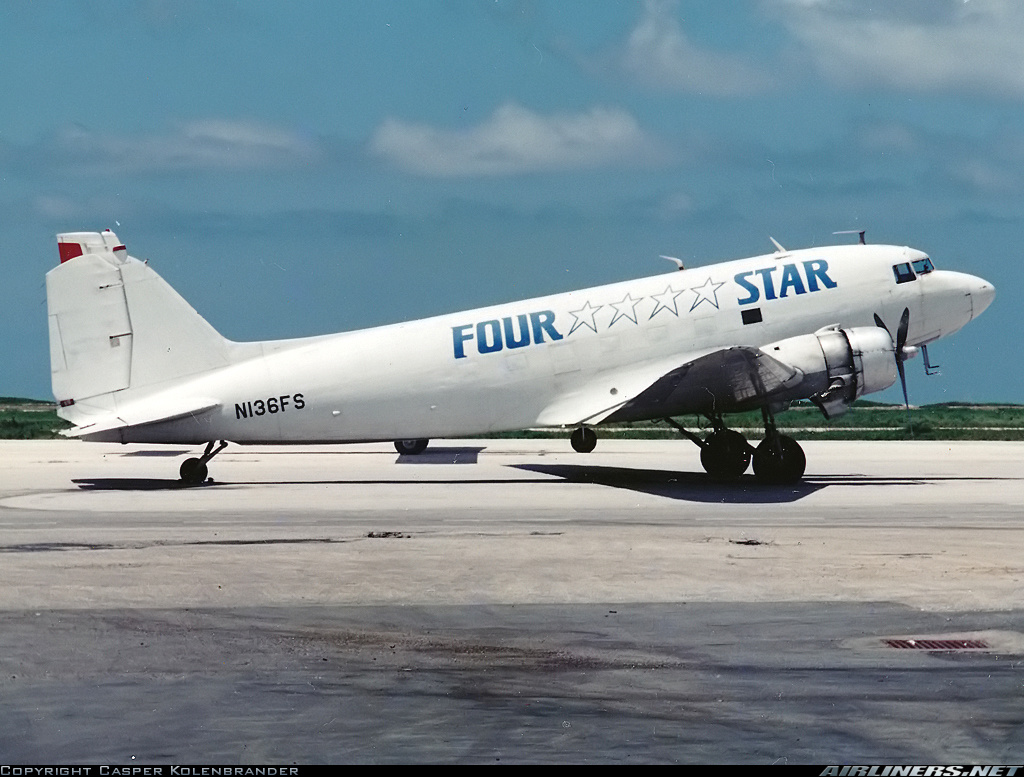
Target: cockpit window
{"points": [[923, 266], [903, 272]]}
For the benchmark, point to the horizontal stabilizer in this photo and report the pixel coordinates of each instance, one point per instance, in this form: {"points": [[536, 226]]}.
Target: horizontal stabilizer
{"points": [[152, 411]]}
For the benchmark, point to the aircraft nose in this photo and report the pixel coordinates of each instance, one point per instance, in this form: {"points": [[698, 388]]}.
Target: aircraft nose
{"points": [[981, 293]]}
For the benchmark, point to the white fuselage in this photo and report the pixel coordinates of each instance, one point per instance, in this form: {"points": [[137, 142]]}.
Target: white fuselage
{"points": [[551, 361]]}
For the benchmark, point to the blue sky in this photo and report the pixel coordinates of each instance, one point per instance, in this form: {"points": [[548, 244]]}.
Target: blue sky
{"points": [[301, 168]]}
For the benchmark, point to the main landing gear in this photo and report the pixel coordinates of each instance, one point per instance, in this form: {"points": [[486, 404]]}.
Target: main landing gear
{"points": [[725, 453], [193, 471], [778, 458], [411, 447]]}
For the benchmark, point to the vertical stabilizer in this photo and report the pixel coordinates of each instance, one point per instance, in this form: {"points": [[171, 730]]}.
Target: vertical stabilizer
{"points": [[116, 327]]}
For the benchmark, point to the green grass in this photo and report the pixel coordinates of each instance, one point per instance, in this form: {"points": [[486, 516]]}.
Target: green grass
{"points": [[864, 421], [29, 419]]}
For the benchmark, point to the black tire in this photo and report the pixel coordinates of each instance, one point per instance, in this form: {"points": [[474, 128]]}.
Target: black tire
{"points": [[193, 471], [411, 447], [771, 467], [583, 440], [725, 454]]}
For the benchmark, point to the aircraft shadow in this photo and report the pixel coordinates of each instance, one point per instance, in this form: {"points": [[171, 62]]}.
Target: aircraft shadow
{"points": [[158, 453], [700, 487], [686, 486], [158, 484], [453, 455], [133, 484]]}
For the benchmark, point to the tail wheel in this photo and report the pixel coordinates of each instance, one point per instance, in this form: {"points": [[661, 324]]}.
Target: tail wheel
{"points": [[781, 462], [411, 447], [193, 471], [583, 440], [725, 454]]}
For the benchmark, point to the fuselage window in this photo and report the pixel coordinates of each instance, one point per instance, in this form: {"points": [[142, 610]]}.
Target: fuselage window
{"points": [[903, 272], [923, 266]]}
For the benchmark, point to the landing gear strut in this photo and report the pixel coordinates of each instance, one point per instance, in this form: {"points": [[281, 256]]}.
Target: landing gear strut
{"points": [[193, 471], [725, 453]]}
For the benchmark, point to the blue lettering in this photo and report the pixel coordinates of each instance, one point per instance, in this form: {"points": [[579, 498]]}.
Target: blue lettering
{"points": [[766, 280], [459, 337], [544, 321], [510, 332], [753, 294], [818, 269], [510, 335], [485, 345], [791, 279]]}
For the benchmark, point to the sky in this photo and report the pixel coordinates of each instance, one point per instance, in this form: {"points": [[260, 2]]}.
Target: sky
{"points": [[297, 168]]}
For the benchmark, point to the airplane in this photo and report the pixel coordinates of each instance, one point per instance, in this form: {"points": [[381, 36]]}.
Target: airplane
{"points": [[133, 362]]}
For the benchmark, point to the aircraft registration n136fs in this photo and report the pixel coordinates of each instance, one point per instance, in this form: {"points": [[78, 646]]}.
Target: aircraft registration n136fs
{"points": [[133, 362]]}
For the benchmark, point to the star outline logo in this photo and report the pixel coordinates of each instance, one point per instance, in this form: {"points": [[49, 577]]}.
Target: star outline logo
{"points": [[706, 293], [584, 317]]}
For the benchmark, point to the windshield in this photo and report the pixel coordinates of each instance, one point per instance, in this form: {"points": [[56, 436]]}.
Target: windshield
{"points": [[923, 266]]}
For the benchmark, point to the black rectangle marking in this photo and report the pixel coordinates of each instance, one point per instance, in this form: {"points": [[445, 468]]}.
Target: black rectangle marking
{"points": [[751, 316]]}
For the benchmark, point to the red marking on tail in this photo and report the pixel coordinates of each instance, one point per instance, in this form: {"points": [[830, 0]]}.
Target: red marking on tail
{"points": [[69, 251]]}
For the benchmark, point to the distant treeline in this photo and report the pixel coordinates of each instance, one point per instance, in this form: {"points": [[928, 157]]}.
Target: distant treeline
{"points": [[29, 419]]}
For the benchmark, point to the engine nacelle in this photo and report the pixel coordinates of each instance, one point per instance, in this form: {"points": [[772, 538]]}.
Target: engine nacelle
{"points": [[839, 365]]}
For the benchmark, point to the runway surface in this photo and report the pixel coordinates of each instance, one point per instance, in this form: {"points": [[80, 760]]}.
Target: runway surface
{"points": [[508, 601]]}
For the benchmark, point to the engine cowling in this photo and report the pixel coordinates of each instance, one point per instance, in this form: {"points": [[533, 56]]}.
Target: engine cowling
{"points": [[839, 365]]}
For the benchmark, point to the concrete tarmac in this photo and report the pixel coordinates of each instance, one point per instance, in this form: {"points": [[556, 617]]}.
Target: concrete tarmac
{"points": [[509, 601]]}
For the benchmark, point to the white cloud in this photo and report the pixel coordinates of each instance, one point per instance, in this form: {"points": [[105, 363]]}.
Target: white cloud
{"points": [[940, 45], [887, 137], [659, 54], [515, 140], [674, 205], [985, 177], [198, 145]]}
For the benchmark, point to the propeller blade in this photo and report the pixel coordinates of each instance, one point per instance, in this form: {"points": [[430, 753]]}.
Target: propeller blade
{"points": [[903, 382], [901, 333], [899, 342], [880, 323]]}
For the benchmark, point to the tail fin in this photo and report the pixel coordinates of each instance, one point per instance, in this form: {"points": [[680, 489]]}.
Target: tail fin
{"points": [[117, 327]]}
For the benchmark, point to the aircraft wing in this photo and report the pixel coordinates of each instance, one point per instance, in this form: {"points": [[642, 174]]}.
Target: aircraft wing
{"points": [[722, 380], [151, 412]]}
